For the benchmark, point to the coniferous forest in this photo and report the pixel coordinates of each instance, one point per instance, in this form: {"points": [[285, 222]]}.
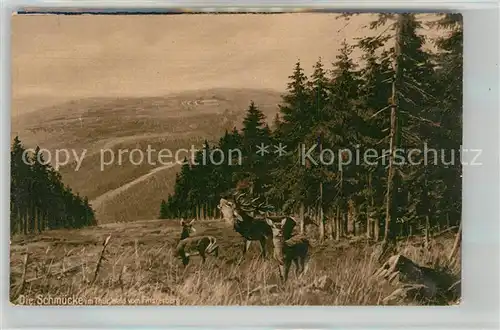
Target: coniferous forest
{"points": [[39, 200], [398, 98]]}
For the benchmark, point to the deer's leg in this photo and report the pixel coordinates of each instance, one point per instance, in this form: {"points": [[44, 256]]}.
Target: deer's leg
{"points": [[263, 247], [301, 261], [288, 263], [185, 260], [281, 271], [297, 269], [304, 262], [202, 255], [246, 245]]}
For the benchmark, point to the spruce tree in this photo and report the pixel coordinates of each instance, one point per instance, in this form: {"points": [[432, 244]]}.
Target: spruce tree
{"points": [[255, 136], [449, 76], [163, 210], [412, 106], [295, 108], [19, 172]]}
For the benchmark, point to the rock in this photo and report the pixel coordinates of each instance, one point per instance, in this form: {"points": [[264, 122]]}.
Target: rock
{"points": [[416, 282], [406, 292]]}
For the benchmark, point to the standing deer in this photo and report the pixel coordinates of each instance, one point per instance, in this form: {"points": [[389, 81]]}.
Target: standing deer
{"points": [[252, 228], [197, 245], [246, 225], [286, 250]]}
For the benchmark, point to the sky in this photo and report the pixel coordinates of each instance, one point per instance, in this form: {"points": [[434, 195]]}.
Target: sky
{"points": [[57, 58]]}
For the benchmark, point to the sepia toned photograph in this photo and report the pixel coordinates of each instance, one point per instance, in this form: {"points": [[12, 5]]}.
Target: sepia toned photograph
{"points": [[233, 159]]}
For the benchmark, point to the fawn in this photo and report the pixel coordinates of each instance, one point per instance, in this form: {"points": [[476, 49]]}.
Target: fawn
{"points": [[197, 245], [286, 249]]}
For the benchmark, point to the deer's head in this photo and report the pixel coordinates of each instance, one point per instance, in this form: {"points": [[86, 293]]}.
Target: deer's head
{"points": [[277, 227], [187, 228], [228, 210]]}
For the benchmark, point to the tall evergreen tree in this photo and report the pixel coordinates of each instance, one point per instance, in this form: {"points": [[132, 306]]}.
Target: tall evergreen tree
{"points": [[295, 108], [256, 138], [449, 109], [164, 210]]}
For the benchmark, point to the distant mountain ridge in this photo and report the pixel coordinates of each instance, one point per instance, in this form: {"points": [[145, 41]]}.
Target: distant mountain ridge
{"points": [[172, 121]]}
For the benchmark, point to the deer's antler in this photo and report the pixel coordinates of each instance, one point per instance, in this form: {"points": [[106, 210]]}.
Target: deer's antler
{"points": [[238, 198]]}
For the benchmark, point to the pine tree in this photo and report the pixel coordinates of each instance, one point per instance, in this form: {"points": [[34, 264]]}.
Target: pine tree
{"points": [[449, 76], [256, 135], [39, 189], [163, 210], [374, 93], [295, 108], [287, 188], [19, 171], [412, 112], [342, 112]]}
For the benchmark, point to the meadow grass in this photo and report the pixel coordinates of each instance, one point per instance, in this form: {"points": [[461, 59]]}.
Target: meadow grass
{"points": [[140, 268]]}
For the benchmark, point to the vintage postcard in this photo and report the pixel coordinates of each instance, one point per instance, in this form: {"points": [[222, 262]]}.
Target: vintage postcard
{"points": [[304, 158]]}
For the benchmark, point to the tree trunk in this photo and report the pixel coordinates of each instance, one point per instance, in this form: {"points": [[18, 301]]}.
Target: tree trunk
{"points": [[337, 224], [25, 222], [32, 218], [321, 223], [302, 218], [13, 218], [344, 222], [392, 186], [333, 221], [350, 218], [369, 220], [427, 231], [376, 227], [321, 220], [368, 223]]}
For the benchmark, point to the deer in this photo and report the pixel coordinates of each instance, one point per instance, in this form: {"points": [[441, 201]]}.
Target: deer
{"points": [[286, 250], [250, 226], [196, 245]]}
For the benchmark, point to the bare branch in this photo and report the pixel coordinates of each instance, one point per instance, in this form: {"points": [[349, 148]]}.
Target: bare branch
{"points": [[378, 112], [101, 258]]}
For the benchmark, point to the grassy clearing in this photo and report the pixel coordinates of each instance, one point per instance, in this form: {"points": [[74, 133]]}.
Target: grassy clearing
{"points": [[140, 268], [139, 201], [91, 181]]}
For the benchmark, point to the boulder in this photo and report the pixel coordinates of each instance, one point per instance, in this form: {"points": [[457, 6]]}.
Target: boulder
{"points": [[415, 282]]}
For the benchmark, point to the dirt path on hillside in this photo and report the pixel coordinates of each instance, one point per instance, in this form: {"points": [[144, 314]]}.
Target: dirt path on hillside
{"points": [[113, 142], [98, 202]]}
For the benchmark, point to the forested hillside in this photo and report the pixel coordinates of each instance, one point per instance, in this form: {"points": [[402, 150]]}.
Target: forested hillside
{"points": [[395, 120]]}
